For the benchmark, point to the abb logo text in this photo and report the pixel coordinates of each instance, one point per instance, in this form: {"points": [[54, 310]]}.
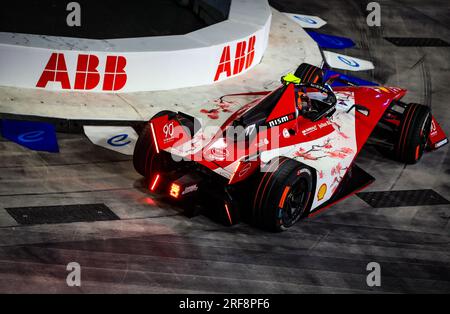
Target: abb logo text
{"points": [[87, 77], [243, 58]]}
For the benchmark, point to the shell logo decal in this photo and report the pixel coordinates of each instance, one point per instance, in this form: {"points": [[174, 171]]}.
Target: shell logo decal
{"points": [[322, 191]]}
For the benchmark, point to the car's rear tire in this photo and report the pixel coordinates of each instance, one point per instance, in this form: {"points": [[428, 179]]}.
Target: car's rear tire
{"points": [[146, 160], [413, 133], [143, 150], [309, 73], [283, 195]]}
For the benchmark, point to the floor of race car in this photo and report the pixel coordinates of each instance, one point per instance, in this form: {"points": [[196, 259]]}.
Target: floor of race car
{"points": [[146, 245]]}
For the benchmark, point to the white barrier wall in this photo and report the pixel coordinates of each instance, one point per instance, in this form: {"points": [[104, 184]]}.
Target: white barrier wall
{"points": [[209, 55]]}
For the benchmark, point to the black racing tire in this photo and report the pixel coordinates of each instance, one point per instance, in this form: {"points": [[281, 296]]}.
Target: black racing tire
{"points": [[145, 160], [309, 73], [143, 150], [413, 133], [283, 195]]}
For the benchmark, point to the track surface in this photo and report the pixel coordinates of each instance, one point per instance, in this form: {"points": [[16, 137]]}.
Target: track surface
{"points": [[153, 248]]}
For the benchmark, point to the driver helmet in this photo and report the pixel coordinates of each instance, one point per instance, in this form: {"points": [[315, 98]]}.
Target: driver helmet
{"points": [[303, 101]]}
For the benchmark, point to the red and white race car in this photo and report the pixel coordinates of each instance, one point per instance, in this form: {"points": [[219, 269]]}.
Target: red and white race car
{"points": [[284, 155]]}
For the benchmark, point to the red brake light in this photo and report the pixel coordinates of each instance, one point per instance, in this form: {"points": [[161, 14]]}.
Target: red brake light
{"points": [[155, 183], [154, 138], [228, 214]]}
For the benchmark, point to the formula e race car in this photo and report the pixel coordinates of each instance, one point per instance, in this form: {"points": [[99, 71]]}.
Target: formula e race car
{"points": [[284, 155]]}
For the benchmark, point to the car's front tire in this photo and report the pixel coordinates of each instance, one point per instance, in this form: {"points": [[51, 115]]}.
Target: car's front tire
{"points": [[413, 133], [283, 195]]}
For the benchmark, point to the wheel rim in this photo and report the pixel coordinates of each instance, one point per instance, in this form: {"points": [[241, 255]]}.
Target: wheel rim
{"points": [[295, 203]]}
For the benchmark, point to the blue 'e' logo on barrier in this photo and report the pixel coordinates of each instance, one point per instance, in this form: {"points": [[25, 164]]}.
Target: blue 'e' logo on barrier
{"points": [[305, 19], [119, 140], [31, 137], [351, 62]]}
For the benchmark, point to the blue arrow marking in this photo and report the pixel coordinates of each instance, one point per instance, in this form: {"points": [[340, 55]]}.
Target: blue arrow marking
{"points": [[350, 62], [305, 19], [31, 137]]}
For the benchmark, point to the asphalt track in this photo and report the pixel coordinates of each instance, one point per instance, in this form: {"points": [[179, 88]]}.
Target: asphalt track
{"points": [[155, 248]]}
